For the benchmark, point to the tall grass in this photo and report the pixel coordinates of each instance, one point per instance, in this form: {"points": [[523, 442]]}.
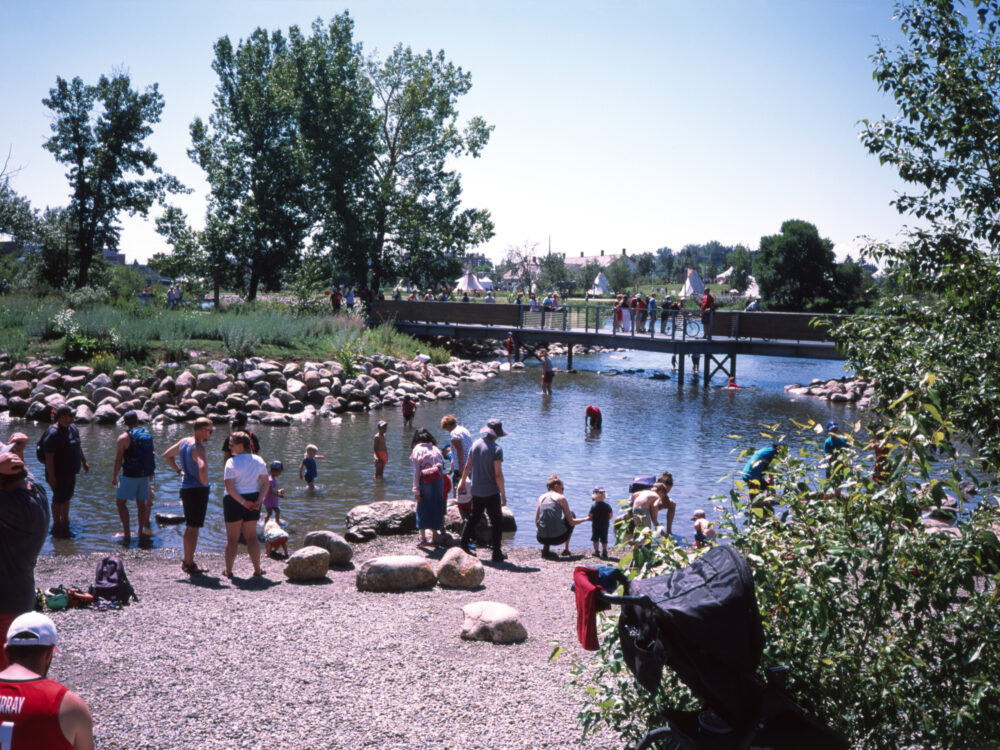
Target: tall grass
{"points": [[14, 344]]}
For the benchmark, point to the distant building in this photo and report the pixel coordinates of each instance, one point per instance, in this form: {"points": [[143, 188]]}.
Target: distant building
{"points": [[603, 260]]}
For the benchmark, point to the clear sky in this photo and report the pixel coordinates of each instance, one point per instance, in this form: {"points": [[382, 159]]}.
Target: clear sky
{"points": [[631, 124]]}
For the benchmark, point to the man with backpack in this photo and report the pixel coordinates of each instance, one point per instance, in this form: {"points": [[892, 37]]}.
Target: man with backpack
{"points": [[61, 452], [136, 463]]}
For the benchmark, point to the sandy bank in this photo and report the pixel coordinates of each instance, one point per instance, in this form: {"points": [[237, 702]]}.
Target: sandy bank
{"points": [[267, 663]]}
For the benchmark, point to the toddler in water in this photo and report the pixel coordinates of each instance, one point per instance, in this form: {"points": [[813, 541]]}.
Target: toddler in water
{"points": [[704, 531], [409, 410], [600, 519], [274, 495], [379, 449], [307, 469]]}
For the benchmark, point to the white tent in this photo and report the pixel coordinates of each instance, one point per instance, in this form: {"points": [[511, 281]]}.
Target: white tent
{"points": [[721, 278], [468, 283], [753, 291], [693, 286], [487, 282], [601, 285]]}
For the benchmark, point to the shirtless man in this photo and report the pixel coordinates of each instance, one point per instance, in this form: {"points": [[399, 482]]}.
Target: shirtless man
{"points": [[36, 712]]}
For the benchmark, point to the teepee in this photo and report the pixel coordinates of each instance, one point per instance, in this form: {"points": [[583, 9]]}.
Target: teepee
{"points": [[468, 283], [601, 285], [693, 286]]}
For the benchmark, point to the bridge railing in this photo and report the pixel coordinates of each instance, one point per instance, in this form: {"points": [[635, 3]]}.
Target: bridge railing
{"points": [[673, 324]]}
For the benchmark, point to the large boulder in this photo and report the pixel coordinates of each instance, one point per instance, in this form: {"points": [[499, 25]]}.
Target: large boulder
{"points": [[492, 621], [395, 573], [307, 564], [106, 414], [206, 381], [459, 570], [453, 522], [385, 516], [340, 551]]}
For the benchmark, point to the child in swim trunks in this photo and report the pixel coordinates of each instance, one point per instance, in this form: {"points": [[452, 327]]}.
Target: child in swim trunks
{"points": [[273, 495], [600, 519], [704, 531], [307, 469], [381, 453]]}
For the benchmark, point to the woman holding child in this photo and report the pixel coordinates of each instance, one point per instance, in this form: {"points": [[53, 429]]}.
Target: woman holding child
{"points": [[246, 477]]}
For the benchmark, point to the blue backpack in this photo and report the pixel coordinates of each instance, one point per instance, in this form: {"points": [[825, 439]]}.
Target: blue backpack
{"points": [[140, 460]]}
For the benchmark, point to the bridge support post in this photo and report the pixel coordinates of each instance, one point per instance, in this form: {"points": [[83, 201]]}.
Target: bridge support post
{"points": [[680, 370], [726, 364], [569, 357]]}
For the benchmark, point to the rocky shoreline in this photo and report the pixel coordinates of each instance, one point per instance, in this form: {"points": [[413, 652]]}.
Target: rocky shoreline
{"points": [[844, 390], [271, 392], [258, 662]]}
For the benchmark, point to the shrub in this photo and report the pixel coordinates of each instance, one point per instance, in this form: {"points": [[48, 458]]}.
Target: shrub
{"points": [[104, 362], [239, 339], [76, 345], [175, 338], [14, 344], [891, 632], [39, 322]]}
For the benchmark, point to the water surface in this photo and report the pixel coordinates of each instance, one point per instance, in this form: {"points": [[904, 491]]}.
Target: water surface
{"points": [[650, 426]]}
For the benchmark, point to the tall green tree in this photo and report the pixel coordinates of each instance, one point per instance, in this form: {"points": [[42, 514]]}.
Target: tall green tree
{"points": [[386, 194], [552, 273], [619, 274], [794, 269], [339, 135], [741, 263], [16, 215], [250, 153], [939, 315], [99, 132]]}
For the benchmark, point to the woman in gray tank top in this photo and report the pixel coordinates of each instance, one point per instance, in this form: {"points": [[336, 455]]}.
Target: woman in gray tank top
{"points": [[554, 521]]}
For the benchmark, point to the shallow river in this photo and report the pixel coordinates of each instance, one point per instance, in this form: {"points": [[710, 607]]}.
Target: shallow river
{"points": [[650, 426]]}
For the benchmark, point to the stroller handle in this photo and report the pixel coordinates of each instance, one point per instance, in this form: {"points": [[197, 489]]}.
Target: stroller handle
{"points": [[639, 601]]}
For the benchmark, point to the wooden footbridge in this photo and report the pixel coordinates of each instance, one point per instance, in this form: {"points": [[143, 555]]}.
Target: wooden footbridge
{"points": [[675, 332]]}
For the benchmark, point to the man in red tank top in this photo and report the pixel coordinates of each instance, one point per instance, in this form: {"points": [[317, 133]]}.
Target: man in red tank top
{"points": [[36, 712]]}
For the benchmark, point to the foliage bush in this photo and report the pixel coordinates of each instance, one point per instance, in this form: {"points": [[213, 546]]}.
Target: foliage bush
{"points": [[891, 633], [87, 296], [239, 339], [76, 345], [39, 322], [14, 344]]}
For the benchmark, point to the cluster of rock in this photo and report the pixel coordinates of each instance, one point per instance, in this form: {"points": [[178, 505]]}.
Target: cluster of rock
{"points": [[846, 390], [269, 391], [392, 517]]}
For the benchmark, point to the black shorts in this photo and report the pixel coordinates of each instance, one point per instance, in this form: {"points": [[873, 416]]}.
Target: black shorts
{"points": [[233, 512], [66, 486], [195, 502], [553, 540]]}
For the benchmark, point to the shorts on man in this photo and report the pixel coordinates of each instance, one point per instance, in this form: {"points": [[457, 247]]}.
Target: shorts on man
{"points": [[195, 502], [132, 488]]}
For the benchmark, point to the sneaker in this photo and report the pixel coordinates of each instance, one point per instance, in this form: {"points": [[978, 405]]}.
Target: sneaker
{"points": [[498, 557], [604, 555], [565, 553]]}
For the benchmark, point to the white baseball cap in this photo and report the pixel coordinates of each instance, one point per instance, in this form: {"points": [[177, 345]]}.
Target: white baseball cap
{"points": [[32, 629]]}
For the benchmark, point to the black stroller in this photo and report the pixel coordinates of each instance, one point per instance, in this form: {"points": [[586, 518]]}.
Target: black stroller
{"points": [[703, 623]]}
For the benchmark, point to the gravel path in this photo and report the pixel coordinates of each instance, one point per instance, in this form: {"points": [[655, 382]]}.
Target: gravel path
{"points": [[267, 663]]}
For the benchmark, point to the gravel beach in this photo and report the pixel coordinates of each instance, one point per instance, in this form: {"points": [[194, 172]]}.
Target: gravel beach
{"points": [[255, 663]]}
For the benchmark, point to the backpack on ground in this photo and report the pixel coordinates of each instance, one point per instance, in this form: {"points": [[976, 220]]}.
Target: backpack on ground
{"points": [[111, 582], [139, 459]]}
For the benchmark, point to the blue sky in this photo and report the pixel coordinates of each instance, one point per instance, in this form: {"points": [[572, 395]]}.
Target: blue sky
{"points": [[630, 124]]}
